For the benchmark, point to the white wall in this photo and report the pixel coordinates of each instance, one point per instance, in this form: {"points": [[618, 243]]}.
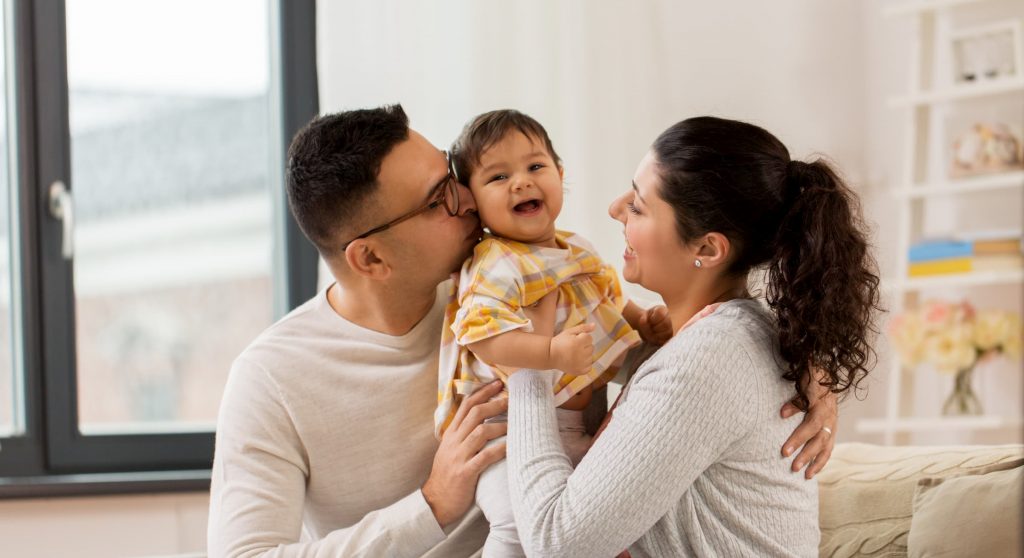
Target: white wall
{"points": [[605, 77]]}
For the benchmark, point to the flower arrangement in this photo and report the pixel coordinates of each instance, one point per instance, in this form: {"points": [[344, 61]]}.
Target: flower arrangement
{"points": [[953, 338]]}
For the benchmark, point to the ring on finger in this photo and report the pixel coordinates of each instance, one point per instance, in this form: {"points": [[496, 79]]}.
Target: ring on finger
{"points": [[827, 429]]}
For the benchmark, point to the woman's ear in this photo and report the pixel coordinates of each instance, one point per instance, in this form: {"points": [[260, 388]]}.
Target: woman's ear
{"points": [[714, 250], [364, 258]]}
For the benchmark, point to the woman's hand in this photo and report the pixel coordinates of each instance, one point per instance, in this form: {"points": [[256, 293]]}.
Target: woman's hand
{"points": [[654, 325], [817, 431]]}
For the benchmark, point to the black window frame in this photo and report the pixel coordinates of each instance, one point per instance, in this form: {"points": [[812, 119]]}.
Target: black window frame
{"points": [[52, 452]]}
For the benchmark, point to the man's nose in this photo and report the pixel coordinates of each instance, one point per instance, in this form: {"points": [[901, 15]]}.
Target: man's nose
{"points": [[467, 203]]}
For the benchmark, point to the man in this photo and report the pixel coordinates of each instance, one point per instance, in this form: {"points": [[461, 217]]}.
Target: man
{"points": [[325, 431]]}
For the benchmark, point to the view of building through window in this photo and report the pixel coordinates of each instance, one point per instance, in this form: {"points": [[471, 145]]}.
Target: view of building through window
{"points": [[170, 146]]}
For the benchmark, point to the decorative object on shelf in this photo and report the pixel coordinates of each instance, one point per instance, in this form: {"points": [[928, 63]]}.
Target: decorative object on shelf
{"points": [[986, 53], [954, 338], [986, 149], [991, 251]]}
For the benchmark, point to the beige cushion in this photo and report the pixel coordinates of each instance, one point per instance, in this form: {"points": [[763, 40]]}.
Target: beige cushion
{"points": [[976, 515], [866, 492]]}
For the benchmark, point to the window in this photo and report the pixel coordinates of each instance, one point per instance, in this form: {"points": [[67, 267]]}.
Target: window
{"points": [[11, 418], [151, 137]]}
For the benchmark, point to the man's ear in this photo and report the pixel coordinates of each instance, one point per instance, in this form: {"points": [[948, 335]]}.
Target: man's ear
{"points": [[714, 250], [364, 257]]}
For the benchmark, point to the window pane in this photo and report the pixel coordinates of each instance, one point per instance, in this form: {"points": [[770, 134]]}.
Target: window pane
{"points": [[11, 419], [170, 173]]}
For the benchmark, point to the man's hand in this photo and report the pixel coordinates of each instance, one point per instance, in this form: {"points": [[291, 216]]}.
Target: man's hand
{"points": [[572, 351], [655, 327], [817, 431], [461, 457]]}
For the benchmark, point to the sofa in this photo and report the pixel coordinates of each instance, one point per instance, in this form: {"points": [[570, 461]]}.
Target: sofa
{"points": [[922, 501]]}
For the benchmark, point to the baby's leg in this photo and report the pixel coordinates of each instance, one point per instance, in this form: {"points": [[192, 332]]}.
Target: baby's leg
{"points": [[575, 440], [494, 499], [492, 496]]}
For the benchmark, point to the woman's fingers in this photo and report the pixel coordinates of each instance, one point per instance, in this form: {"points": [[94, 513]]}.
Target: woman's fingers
{"points": [[820, 461]]}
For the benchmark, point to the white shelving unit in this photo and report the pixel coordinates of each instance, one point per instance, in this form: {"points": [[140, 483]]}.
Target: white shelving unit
{"points": [[928, 100]]}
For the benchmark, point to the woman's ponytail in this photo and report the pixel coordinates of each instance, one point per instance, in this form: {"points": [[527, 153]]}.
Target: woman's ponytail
{"points": [[821, 281]]}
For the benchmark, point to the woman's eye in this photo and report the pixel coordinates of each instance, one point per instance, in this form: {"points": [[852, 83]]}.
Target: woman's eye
{"points": [[632, 208]]}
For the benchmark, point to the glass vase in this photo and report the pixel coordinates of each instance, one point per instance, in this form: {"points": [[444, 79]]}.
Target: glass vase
{"points": [[963, 400]]}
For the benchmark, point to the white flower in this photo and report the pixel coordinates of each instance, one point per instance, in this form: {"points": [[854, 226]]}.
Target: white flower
{"points": [[990, 329], [951, 350]]}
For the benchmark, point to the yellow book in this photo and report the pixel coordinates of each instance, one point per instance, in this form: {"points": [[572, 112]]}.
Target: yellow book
{"points": [[940, 267]]}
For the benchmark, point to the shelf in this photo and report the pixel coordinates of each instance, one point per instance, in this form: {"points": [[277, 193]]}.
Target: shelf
{"points": [[960, 92], [986, 183], [937, 424], [973, 279], [919, 6]]}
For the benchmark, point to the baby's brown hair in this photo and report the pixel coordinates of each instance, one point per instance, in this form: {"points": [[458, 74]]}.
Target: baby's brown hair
{"points": [[489, 128]]}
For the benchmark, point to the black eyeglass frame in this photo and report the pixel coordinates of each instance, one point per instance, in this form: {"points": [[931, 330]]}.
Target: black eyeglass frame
{"points": [[447, 188]]}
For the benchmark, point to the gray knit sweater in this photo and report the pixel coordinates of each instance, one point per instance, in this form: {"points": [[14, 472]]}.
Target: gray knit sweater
{"points": [[690, 465]]}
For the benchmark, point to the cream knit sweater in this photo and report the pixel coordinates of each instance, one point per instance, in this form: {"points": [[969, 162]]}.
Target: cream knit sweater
{"points": [[690, 464]]}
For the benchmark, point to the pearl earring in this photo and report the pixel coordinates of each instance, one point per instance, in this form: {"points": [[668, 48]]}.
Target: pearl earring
{"points": [[698, 263]]}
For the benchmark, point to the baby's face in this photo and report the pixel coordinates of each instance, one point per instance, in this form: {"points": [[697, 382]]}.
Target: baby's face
{"points": [[518, 189]]}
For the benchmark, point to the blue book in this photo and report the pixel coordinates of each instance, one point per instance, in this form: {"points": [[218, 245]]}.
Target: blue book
{"points": [[940, 250]]}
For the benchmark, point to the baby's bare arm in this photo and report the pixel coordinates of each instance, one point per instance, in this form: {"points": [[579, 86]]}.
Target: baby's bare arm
{"points": [[515, 348]]}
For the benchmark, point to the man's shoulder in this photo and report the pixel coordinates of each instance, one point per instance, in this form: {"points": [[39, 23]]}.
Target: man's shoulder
{"points": [[298, 318]]}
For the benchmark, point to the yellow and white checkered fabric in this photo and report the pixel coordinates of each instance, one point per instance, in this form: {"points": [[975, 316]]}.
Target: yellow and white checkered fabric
{"points": [[503, 277]]}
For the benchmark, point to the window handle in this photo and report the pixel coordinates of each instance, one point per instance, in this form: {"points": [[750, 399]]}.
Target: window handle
{"points": [[62, 210]]}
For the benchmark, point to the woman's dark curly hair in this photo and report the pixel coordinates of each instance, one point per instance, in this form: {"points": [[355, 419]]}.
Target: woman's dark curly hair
{"points": [[799, 221]]}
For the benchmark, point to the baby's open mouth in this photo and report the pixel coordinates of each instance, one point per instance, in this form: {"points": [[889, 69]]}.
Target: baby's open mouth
{"points": [[527, 207]]}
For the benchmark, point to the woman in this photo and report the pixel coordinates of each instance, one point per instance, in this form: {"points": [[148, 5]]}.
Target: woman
{"points": [[688, 464]]}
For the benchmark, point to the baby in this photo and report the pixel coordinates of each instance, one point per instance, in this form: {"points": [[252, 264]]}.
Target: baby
{"points": [[500, 318]]}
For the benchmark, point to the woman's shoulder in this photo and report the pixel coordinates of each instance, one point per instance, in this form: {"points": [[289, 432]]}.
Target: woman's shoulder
{"points": [[736, 322], [738, 337]]}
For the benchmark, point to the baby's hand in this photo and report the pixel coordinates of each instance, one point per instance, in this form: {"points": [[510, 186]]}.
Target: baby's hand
{"points": [[572, 351], [707, 311], [655, 326]]}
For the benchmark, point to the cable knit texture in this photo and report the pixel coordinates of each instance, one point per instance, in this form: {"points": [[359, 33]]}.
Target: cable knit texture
{"points": [[690, 464]]}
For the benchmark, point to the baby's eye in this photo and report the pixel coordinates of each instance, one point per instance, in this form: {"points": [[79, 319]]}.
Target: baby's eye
{"points": [[536, 166], [497, 177]]}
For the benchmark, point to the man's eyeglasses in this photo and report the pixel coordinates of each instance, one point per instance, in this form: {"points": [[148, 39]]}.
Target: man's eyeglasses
{"points": [[447, 194]]}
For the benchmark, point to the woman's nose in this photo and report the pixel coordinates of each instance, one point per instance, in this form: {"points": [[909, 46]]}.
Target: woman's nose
{"points": [[617, 209]]}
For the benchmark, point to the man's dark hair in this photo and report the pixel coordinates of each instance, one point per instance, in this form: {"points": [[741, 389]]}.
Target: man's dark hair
{"points": [[333, 163]]}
